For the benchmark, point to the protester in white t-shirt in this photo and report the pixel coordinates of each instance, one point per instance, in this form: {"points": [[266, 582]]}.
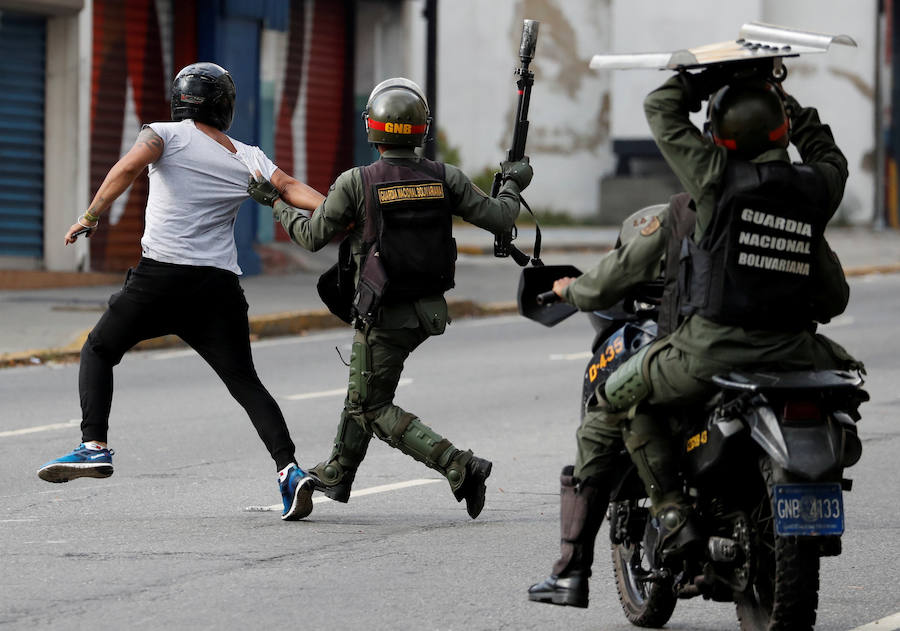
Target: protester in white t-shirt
{"points": [[186, 282]]}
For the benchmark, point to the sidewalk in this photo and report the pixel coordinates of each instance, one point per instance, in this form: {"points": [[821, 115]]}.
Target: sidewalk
{"points": [[47, 315]]}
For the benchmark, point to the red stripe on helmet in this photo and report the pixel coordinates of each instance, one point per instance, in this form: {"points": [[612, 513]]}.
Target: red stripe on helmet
{"points": [[779, 132], [728, 143], [382, 126]]}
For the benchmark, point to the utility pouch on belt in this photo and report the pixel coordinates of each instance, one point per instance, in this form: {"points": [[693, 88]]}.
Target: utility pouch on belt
{"points": [[335, 286], [373, 282], [432, 314]]}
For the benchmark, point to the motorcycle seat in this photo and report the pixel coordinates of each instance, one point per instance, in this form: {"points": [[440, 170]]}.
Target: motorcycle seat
{"points": [[790, 380]]}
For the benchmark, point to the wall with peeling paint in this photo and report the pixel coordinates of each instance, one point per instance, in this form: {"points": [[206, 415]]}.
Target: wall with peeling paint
{"points": [[568, 138], [576, 113], [841, 85]]}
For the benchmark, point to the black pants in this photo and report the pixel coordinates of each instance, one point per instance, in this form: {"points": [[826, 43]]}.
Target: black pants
{"points": [[204, 306]]}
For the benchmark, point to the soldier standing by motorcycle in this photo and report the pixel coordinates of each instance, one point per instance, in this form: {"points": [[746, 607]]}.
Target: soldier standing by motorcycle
{"points": [[749, 304], [398, 213]]}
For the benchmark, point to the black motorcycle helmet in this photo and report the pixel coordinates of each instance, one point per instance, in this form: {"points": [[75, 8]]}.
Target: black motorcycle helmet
{"points": [[748, 118], [204, 92]]}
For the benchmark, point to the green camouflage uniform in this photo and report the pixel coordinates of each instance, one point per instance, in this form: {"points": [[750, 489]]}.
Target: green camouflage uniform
{"points": [[378, 354], [678, 367], [599, 436]]}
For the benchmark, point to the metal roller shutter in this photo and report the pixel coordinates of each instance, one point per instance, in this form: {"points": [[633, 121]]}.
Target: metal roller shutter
{"points": [[129, 87], [22, 64]]}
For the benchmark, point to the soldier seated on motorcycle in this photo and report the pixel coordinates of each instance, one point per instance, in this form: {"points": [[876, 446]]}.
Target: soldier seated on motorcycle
{"points": [[752, 278], [585, 486]]}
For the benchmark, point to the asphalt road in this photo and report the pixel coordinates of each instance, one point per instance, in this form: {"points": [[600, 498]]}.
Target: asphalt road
{"points": [[168, 540]]}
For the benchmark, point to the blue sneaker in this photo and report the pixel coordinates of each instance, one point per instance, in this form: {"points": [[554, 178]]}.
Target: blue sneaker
{"points": [[296, 493], [81, 463]]}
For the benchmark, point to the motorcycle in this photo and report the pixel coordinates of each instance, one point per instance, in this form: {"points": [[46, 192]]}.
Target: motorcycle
{"points": [[763, 462]]}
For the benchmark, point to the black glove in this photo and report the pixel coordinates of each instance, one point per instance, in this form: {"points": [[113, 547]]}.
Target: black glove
{"points": [[700, 85], [519, 172], [262, 191]]}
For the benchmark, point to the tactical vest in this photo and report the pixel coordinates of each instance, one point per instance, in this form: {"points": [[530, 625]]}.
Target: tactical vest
{"points": [[754, 264], [408, 221], [682, 217]]}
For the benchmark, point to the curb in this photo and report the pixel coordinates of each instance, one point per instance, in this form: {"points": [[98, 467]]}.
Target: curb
{"points": [[262, 326], [300, 322]]}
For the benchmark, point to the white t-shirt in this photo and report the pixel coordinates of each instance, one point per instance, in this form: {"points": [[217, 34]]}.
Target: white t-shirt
{"points": [[196, 187]]}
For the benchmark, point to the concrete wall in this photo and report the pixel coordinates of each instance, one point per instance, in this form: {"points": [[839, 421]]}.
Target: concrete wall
{"points": [[841, 85], [576, 113], [66, 137], [569, 135]]}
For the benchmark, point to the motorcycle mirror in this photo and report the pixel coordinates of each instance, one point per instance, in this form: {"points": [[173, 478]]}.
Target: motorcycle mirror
{"points": [[536, 280]]}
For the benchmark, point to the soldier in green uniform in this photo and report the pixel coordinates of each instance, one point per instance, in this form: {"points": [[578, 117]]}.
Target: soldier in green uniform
{"points": [[397, 212], [585, 486], [758, 272], [754, 288]]}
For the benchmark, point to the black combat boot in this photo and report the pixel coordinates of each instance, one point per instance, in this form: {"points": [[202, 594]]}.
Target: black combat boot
{"points": [[473, 488], [339, 489], [334, 477], [581, 508]]}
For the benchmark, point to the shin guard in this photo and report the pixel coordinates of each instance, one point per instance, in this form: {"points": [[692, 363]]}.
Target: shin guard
{"points": [[350, 445]]}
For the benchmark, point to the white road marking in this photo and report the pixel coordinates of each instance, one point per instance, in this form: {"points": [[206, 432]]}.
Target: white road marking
{"points": [[330, 393], [384, 488], [15, 521], [188, 352], [41, 428], [891, 623], [571, 356]]}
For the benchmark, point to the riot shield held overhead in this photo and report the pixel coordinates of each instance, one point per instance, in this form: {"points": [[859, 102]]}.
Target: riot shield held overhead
{"points": [[755, 41], [538, 280]]}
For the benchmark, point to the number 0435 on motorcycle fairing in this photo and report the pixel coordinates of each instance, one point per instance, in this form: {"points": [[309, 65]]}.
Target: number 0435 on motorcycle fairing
{"points": [[763, 461]]}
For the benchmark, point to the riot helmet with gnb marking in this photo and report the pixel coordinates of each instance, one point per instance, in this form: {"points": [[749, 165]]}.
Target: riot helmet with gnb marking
{"points": [[748, 118], [204, 92], [397, 114]]}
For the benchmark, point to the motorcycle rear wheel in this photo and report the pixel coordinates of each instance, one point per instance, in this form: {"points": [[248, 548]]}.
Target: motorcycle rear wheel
{"points": [[644, 603], [784, 593]]}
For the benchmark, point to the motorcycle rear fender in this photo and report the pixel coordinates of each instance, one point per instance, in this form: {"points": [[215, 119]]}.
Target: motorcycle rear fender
{"points": [[809, 451]]}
